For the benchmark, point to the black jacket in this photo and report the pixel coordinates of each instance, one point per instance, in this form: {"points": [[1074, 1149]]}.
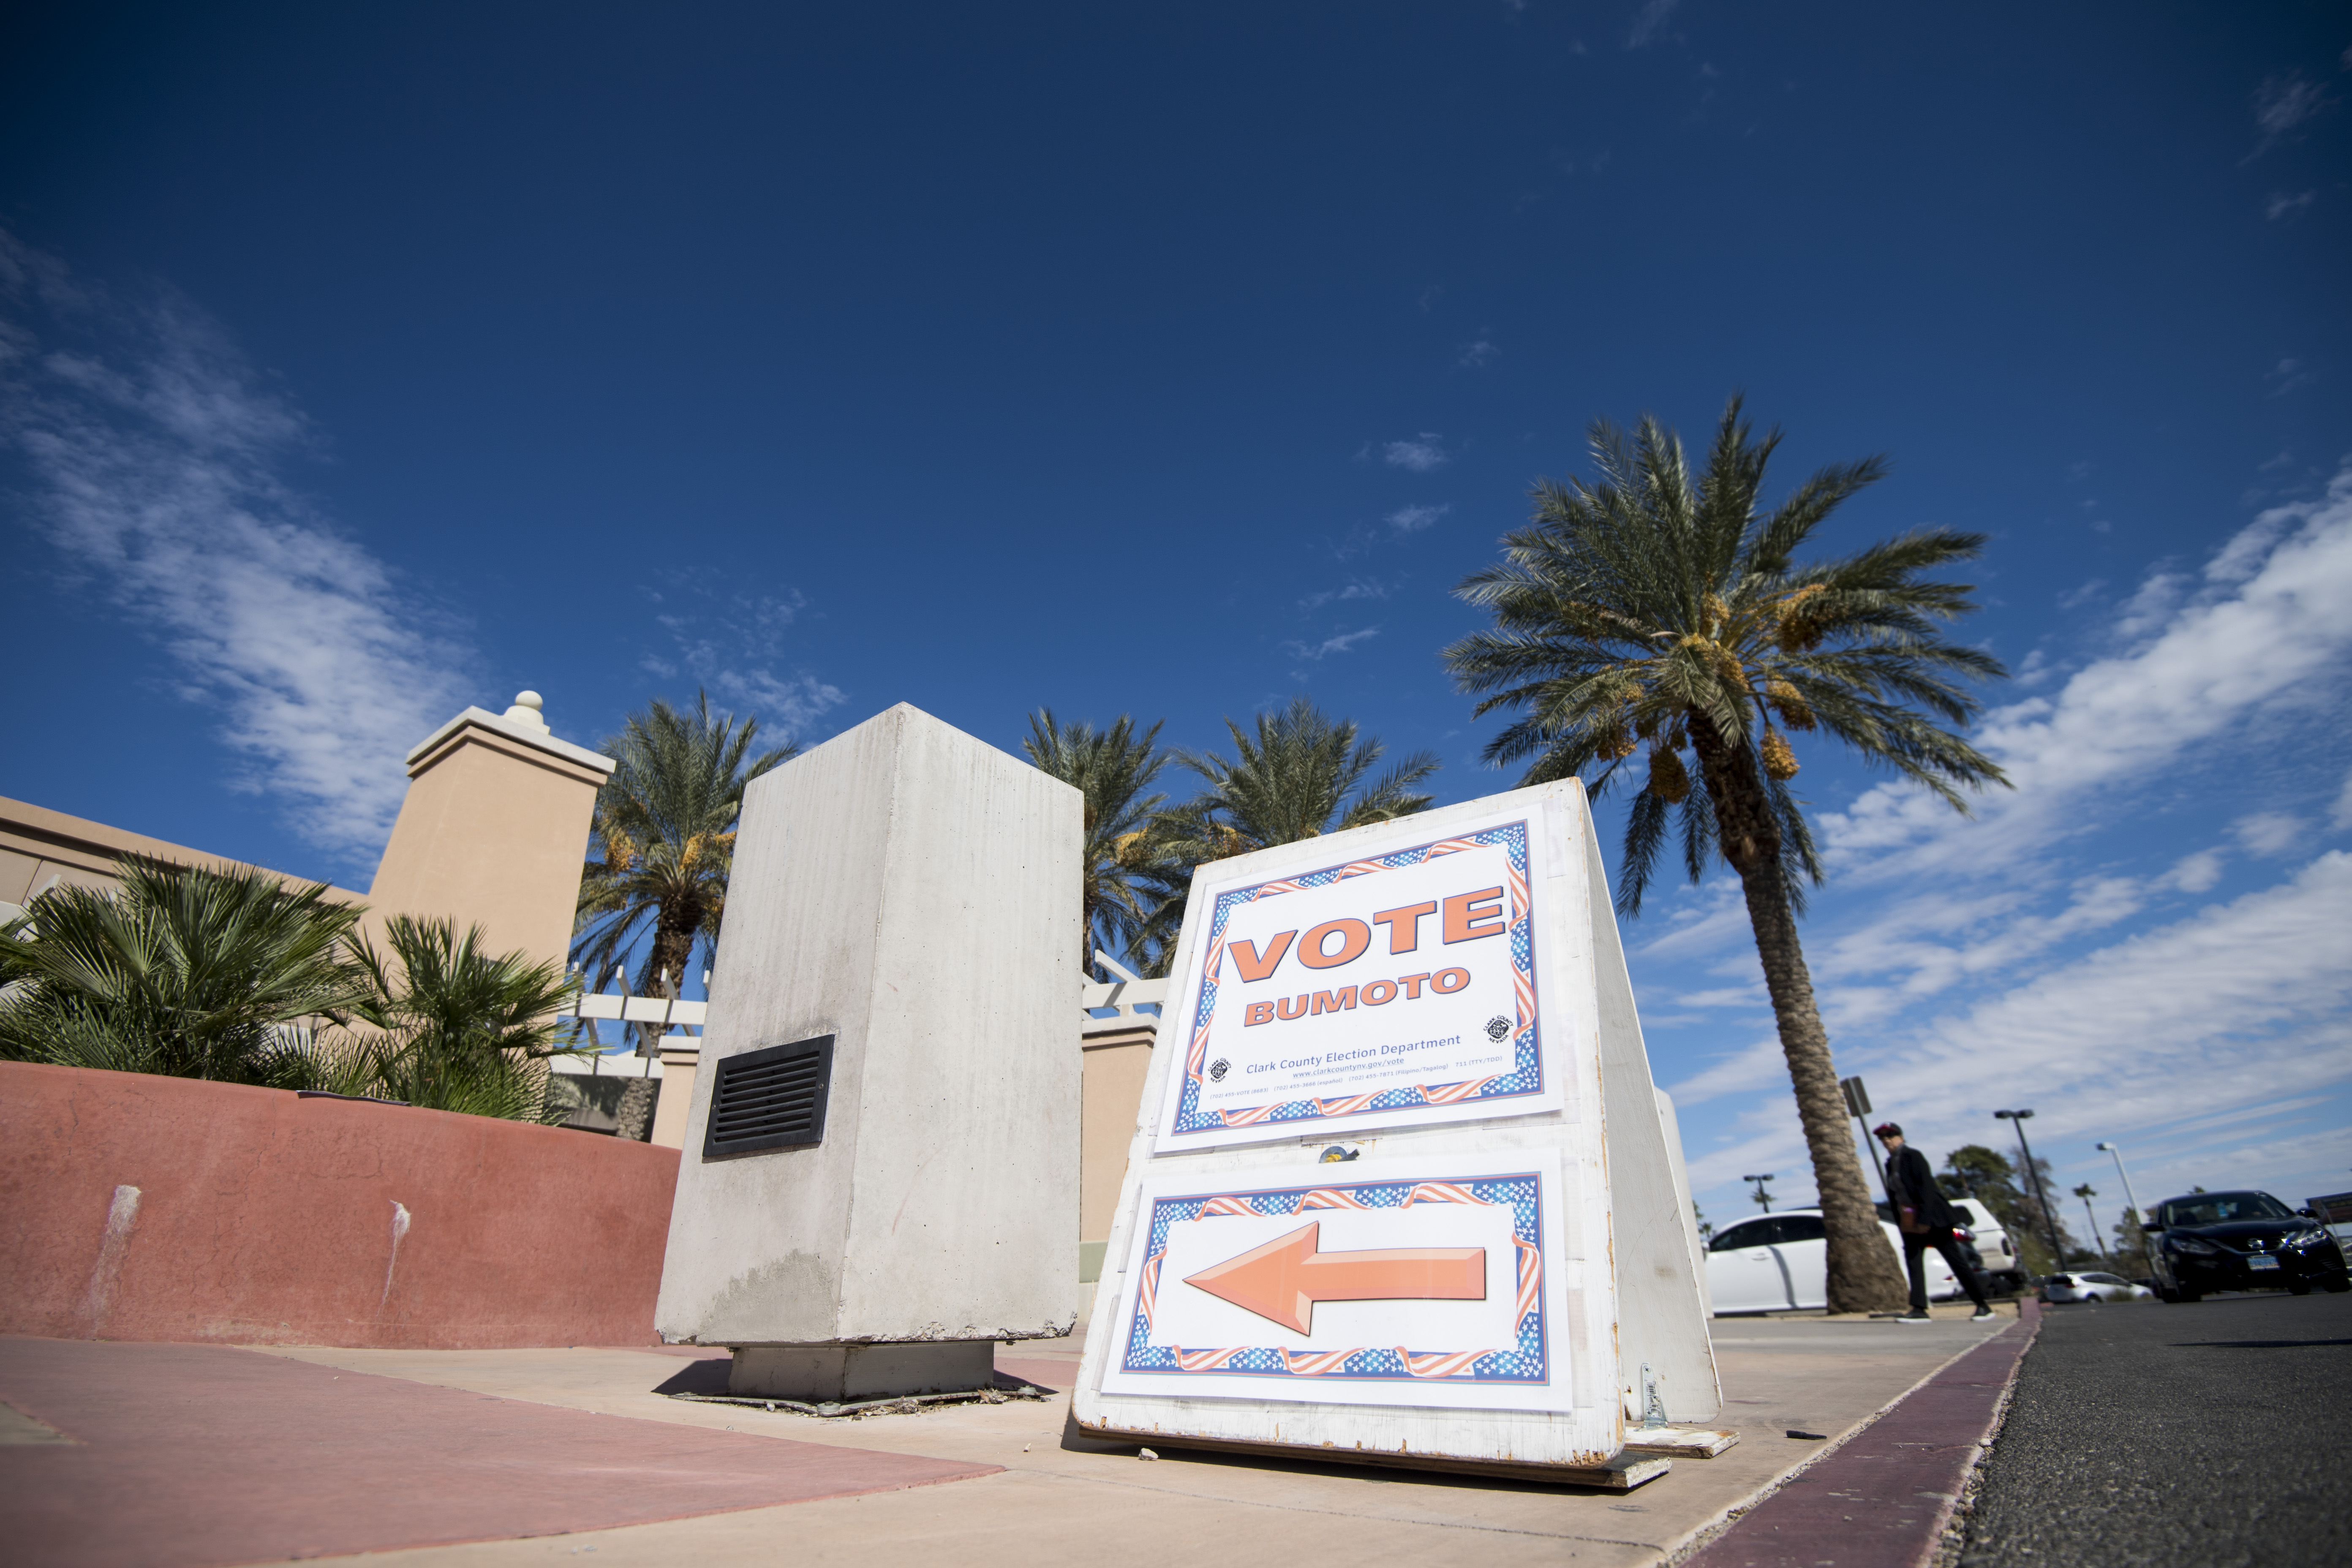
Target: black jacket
{"points": [[1911, 1180]]}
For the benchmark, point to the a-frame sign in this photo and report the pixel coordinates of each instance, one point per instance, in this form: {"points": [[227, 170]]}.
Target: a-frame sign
{"points": [[1402, 1189]]}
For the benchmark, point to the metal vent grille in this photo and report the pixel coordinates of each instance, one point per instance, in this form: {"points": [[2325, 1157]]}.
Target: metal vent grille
{"points": [[773, 1098]]}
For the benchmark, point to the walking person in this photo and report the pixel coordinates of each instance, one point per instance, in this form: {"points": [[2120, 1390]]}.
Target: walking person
{"points": [[1925, 1218]]}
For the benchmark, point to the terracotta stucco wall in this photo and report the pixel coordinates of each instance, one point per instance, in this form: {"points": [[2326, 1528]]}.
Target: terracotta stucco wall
{"points": [[262, 1217]]}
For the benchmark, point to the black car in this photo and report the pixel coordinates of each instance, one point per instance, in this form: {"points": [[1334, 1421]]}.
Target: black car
{"points": [[2242, 1241]]}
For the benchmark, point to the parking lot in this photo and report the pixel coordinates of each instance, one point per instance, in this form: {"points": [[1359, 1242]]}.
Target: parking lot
{"points": [[2209, 1435]]}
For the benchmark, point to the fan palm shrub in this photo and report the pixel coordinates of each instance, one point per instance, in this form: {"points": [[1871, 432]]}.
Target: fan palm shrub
{"points": [[1111, 768], [664, 828], [455, 1028], [183, 971], [1654, 632], [1295, 774]]}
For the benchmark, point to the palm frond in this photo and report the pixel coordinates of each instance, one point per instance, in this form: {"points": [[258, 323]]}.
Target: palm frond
{"points": [[1650, 599]]}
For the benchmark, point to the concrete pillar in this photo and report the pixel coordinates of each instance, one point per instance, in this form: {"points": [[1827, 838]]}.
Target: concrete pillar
{"points": [[1117, 1056], [908, 896], [493, 831], [680, 1056]]}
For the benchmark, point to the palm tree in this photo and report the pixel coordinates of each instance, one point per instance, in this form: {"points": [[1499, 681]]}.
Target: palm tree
{"points": [[1111, 768], [1657, 610], [665, 821], [460, 1028], [1301, 774], [182, 971]]}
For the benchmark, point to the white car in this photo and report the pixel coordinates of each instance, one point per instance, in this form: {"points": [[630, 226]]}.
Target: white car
{"points": [[2094, 1288], [1779, 1262]]}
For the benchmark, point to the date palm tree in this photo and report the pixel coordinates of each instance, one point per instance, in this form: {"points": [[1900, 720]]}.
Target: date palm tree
{"points": [[1657, 613], [664, 825], [1295, 774], [1111, 768]]}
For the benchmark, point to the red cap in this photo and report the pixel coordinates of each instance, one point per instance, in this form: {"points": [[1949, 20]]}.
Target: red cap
{"points": [[1886, 1129]]}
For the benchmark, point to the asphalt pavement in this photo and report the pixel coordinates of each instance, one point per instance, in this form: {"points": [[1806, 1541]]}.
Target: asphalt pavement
{"points": [[2204, 1436]]}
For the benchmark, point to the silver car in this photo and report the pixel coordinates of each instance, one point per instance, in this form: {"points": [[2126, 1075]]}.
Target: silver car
{"points": [[2094, 1288]]}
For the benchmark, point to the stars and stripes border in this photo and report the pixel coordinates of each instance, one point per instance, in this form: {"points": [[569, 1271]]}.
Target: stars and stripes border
{"points": [[1525, 1362], [1526, 1076]]}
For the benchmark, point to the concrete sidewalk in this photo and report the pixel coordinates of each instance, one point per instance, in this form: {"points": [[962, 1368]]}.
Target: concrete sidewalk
{"points": [[493, 1451]]}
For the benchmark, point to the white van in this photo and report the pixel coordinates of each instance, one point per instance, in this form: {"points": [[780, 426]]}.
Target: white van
{"points": [[2003, 1271], [1995, 1251]]}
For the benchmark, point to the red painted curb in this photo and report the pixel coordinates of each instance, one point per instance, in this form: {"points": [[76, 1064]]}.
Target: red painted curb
{"points": [[1882, 1498]]}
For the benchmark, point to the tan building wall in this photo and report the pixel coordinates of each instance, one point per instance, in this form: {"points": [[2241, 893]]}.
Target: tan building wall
{"points": [[1110, 1095], [38, 846], [493, 831]]}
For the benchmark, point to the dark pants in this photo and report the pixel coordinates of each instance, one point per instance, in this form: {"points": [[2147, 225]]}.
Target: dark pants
{"points": [[1915, 1258]]}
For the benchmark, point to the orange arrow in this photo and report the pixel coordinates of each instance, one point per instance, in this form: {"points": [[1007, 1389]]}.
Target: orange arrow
{"points": [[1284, 1278]]}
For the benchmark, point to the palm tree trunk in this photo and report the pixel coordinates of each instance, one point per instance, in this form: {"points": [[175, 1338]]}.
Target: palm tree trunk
{"points": [[1862, 1274]]}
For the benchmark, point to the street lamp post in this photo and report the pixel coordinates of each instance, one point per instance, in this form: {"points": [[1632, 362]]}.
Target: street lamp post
{"points": [[1762, 1196], [2049, 1215], [2138, 1215]]}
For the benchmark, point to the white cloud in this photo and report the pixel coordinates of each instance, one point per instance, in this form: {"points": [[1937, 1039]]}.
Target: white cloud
{"points": [[1356, 588], [159, 465], [1981, 937], [730, 643], [2283, 102], [2195, 873], [2206, 1015], [2268, 832], [1713, 917], [1752, 995], [784, 706], [2290, 373], [2267, 623], [1475, 354], [2340, 814], [1420, 455], [1650, 16], [2281, 203], [2114, 1038], [1413, 518], [1328, 645], [1757, 1066]]}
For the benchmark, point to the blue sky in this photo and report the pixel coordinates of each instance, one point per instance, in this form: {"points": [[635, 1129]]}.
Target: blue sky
{"points": [[361, 365]]}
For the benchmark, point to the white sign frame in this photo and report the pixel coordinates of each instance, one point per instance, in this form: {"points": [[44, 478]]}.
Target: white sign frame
{"points": [[1626, 1266], [1470, 901]]}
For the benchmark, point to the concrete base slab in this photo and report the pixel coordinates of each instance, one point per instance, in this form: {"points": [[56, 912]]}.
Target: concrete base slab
{"points": [[839, 1374], [1679, 1442]]}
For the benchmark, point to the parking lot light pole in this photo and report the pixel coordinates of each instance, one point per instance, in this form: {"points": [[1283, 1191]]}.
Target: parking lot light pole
{"points": [[2049, 1216], [2138, 1215]]}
